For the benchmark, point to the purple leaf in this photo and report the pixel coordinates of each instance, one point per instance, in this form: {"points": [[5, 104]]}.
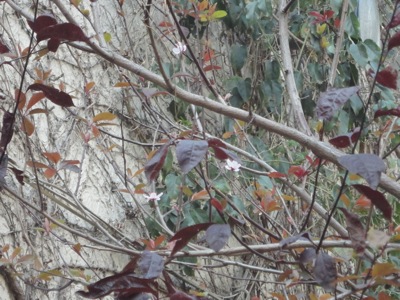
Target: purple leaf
{"points": [[153, 165], [356, 231], [189, 153], [217, 235], [377, 199], [394, 41], [307, 255], [332, 100], [388, 112], [53, 44], [325, 271], [387, 77], [63, 32], [54, 95], [151, 265], [292, 239], [369, 166], [183, 236]]}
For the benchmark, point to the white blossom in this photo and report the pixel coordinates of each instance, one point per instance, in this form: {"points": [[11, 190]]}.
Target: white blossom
{"points": [[232, 165], [179, 48], [153, 196]]}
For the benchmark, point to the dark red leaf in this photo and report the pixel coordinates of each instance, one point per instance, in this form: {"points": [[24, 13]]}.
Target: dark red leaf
{"points": [[356, 231], [54, 95], [53, 44], [290, 240], [183, 236], [325, 271], [211, 67], [153, 165], [63, 32], [332, 100], [223, 154], [7, 130], [42, 22], [217, 236], [369, 166], [3, 169], [328, 14], [216, 143], [318, 17], [117, 283], [19, 175], [377, 199], [151, 265], [307, 255], [189, 153], [218, 206], [346, 140], [395, 21], [388, 112], [394, 41], [387, 77], [3, 48]]}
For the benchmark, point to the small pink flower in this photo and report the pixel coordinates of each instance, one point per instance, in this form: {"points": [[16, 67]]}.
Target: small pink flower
{"points": [[179, 48], [153, 196], [232, 165]]}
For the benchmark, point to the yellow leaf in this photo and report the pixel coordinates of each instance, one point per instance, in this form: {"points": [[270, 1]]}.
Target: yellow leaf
{"points": [[289, 198], [122, 84], [138, 172], [321, 28], [85, 12], [345, 200], [104, 116], [15, 253], [219, 14], [202, 195], [227, 135], [354, 177], [324, 42]]}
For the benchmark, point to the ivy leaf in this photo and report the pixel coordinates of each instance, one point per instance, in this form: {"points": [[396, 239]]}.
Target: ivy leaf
{"points": [[377, 199], [153, 165], [183, 236], [325, 271], [217, 236], [387, 77], [238, 56], [333, 99], [151, 265], [63, 32], [369, 166], [356, 231], [54, 95], [189, 153]]}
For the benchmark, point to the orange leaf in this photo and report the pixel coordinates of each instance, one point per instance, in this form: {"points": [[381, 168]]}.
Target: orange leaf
{"points": [[36, 164], [211, 67], [383, 269], [38, 111], [122, 84], [77, 248], [203, 5], [22, 99], [104, 116], [50, 172], [218, 205], [52, 156], [89, 86], [138, 172], [276, 175], [36, 97], [159, 240], [363, 202], [27, 126], [384, 296], [202, 195], [95, 131], [15, 253]]}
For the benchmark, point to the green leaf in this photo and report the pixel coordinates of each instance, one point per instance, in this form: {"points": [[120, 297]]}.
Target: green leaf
{"points": [[172, 183], [107, 37], [219, 14], [238, 56], [359, 54]]}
